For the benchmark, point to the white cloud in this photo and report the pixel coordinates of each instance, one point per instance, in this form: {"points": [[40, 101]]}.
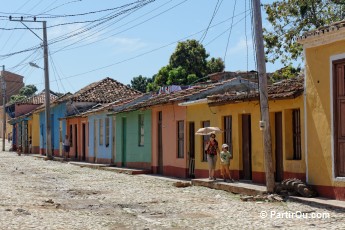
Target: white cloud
{"points": [[124, 44], [241, 46]]}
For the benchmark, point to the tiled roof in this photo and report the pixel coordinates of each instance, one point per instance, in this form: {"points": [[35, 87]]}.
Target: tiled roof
{"points": [[322, 31], [193, 93], [52, 102], [107, 106], [285, 89], [35, 99], [104, 91]]}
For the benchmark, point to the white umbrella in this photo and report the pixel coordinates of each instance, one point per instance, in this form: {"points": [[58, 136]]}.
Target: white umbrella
{"points": [[208, 131]]}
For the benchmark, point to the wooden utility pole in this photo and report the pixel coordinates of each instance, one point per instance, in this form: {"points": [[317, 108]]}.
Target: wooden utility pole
{"points": [[46, 81], [265, 120], [3, 107]]}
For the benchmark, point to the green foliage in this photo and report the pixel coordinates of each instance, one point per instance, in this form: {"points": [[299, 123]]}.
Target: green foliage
{"points": [[285, 73], [28, 90], [187, 65], [292, 18], [25, 92], [140, 83], [17, 97], [215, 65], [191, 56]]}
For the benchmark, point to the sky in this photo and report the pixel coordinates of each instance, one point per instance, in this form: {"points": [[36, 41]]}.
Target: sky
{"points": [[90, 40]]}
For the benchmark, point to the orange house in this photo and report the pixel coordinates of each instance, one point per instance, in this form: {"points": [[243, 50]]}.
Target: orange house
{"points": [[77, 129]]}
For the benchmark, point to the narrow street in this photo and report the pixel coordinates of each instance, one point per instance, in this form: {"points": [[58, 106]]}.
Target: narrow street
{"points": [[38, 194]]}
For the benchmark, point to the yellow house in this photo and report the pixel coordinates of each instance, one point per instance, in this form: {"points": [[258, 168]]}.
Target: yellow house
{"points": [[324, 51], [238, 116]]}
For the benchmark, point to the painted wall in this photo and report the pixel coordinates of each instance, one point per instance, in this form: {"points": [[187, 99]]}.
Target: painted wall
{"points": [[319, 119], [102, 152], [128, 151], [35, 133], [292, 168], [172, 165], [78, 149], [22, 109], [58, 111]]}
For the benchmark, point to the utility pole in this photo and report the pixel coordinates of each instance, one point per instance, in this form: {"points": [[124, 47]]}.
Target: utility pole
{"points": [[3, 107], [46, 82], [265, 121]]}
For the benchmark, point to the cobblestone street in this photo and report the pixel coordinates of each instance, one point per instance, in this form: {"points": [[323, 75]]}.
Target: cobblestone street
{"points": [[38, 194]]}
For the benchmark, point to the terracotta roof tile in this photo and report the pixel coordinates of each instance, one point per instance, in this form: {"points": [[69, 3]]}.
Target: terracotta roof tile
{"points": [[36, 99], [286, 89], [193, 93], [104, 91]]}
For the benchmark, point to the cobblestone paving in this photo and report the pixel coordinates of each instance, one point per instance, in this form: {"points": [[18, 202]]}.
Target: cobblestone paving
{"points": [[38, 194]]}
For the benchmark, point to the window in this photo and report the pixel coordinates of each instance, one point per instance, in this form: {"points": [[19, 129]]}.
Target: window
{"points": [[228, 131], [296, 130], [141, 129], [100, 132], [180, 139], [204, 140], [107, 131]]}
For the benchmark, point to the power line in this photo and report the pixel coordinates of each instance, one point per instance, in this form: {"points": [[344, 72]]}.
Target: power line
{"points": [[227, 44], [209, 24]]}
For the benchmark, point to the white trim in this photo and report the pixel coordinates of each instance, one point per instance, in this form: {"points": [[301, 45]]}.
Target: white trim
{"points": [[305, 118], [331, 59], [196, 102]]}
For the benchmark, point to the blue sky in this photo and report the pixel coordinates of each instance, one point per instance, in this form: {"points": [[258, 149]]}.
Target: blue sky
{"points": [[135, 43]]}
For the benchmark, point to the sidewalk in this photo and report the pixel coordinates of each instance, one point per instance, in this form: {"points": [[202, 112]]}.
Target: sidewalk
{"points": [[238, 187]]}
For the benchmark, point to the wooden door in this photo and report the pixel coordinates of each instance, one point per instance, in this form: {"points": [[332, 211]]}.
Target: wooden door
{"points": [[83, 141], [160, 143], [95, 142], [339, 117], [279, 174], [76, 141], [113, 149], [124, 141], [246, 147], [191, 149]]}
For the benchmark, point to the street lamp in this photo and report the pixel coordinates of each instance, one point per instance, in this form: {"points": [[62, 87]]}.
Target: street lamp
{"points": [[35, 65], [47, 110]]}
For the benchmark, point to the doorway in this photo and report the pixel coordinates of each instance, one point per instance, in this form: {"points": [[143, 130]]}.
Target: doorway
{"points": [[160, 144], [113, 149], [83, 140], [279, 170], [124, 141], [246, 147], [191, 149]]}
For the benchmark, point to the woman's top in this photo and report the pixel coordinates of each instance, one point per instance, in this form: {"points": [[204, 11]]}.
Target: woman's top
{"points": [[212, 148]]}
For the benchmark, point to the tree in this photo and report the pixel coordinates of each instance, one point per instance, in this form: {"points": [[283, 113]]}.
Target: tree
{"points": [[292, 18], [28, 90], [140, 83], [25, 92], [191, 56], [215, 65], [286, 72], [187, 65]]}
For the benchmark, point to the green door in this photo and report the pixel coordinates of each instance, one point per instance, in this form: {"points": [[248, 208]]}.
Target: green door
{"points": [[124, 141]]}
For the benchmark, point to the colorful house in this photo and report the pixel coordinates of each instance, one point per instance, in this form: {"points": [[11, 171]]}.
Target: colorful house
{"points": [[238, 115], [112, 143], [324, 52], [57, 111], [169, 150], [90, 136], [20, 112]]}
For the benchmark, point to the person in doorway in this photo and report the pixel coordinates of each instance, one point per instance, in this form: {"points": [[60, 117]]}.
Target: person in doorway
{"points": [[66, 146], [30, 144], [225, 157], [212, 149]]}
